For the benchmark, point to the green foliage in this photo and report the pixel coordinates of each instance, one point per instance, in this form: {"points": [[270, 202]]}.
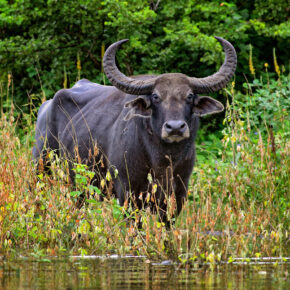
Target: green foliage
{"points": [[268, 102], [83, 177], [47, 45]]}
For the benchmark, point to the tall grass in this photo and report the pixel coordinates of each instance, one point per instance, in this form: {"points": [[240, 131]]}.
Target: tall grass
{"points": [[237, 205]]}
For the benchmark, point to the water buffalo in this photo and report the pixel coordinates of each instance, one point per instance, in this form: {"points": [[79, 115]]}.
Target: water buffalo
{"points": [[140, 125]]}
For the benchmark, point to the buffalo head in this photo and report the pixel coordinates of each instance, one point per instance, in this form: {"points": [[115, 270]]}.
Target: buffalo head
{"points": [[171, 100]]}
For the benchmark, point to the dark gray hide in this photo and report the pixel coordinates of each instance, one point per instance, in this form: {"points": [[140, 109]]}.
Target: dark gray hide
{"points": [[148, 127]]}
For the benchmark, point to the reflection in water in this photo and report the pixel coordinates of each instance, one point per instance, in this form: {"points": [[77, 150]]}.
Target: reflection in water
{"points": [[138, 273]]}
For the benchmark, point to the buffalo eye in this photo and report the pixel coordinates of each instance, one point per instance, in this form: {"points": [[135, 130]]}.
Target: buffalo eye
{"points": [[190, 98], [156, 98]]}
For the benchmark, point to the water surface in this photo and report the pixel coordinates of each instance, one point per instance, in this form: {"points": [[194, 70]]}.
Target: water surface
{"points": [[113, 272]]}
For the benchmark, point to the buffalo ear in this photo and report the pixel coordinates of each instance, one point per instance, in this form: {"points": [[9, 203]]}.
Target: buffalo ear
{"points": [[205, 105], [138, 107]]}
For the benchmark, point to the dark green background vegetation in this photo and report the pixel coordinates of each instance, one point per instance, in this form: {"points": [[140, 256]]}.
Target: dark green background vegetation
{"points": [[41, 41]]}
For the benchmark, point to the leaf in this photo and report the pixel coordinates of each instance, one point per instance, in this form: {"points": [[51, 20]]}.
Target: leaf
{"points": [[75, 193], [94, 189], [92, 201], [108, 176]]}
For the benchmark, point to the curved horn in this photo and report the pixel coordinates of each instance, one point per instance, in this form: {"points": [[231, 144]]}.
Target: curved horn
{"points": [[218, 80], [118, 79]]}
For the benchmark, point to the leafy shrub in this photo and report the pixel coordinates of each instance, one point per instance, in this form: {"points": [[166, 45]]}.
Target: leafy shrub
{"points": [[268, 103]]}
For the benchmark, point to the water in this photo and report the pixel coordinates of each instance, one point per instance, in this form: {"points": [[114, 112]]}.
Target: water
{"points": [[139, 273]]}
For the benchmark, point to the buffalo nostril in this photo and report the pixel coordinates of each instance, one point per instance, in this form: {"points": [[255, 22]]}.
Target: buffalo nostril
{"points": [[168, 126]]}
